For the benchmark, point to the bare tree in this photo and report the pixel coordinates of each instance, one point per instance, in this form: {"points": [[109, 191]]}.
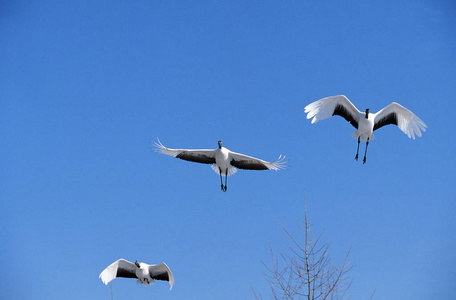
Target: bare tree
{"points": [[305, 271]]}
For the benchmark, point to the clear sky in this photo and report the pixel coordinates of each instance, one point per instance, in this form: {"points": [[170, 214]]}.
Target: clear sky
{"points": [[87, 86]]}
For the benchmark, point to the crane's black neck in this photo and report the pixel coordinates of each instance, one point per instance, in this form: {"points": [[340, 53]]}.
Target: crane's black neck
{"points": [[367, 113]]}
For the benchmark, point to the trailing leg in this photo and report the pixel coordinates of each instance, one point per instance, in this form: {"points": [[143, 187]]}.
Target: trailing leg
{"points": [[221, 181], [226, 178], [357, 150], [365, 153]]}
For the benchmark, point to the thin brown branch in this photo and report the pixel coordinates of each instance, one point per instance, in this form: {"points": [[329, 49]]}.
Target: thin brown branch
{"points": [[304, 269]]}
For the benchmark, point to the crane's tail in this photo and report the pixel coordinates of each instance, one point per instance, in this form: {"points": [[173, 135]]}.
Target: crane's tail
{"points": [[144, 282], [231, 170], [355, 135]]}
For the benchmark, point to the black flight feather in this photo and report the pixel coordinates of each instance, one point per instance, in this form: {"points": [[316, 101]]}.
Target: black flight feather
{"points": [[162, 276], [125, 273], [248, 164], [199, 158], [340, 110], [389, 119]]}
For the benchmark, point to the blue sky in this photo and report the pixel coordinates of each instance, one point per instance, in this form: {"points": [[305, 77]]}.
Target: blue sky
{"points": [[87, 86]]}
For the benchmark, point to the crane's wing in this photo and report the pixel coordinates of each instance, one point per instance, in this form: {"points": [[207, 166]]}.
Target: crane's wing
{"points": [[161, 272], [331, 106], [204, 156], [398, 115], [120, 268], [246, 162]]}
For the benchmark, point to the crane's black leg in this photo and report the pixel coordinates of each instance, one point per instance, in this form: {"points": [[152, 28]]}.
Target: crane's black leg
{"points": [[226, 178], [221, 181], [367, 144], [357, 150]]}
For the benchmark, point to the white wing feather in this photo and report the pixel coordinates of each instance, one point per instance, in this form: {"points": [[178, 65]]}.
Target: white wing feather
{"points": [[110, 272], [324, 108], [175, 152], [407, 121]]}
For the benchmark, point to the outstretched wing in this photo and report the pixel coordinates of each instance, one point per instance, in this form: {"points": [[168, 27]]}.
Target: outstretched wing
{"points": [[246, 162], [203, 156], [161, 272], [331, 106], [120, 268], [398, 115]]}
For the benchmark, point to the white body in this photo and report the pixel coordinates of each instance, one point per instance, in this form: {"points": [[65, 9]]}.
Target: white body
{"points": [[365, 129], [222, 162], [143, 274]]}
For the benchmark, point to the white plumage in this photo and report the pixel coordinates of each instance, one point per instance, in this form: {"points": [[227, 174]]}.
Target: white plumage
{"points": [[224, 162], [146, 274], [366, 123]]}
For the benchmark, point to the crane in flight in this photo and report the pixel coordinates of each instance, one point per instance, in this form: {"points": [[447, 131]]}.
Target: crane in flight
{"points": [[146, 274], [365, 122], [224, 162]]}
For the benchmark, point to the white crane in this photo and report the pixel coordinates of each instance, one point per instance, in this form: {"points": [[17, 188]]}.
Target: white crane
{"points": [[146, 274], [224, 162], [366, 123]]}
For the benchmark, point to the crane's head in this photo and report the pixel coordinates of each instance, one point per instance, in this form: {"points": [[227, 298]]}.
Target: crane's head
{"points": [[137, 263], [220, 144], [367, 113]]}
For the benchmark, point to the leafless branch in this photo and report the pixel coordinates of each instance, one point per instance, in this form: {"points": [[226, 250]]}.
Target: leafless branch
{"points": [[304, 270]]}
